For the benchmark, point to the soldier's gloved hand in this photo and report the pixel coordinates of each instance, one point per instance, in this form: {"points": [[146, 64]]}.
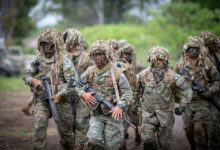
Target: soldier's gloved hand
{"points": [[56, 98], [179, 110], [38, 86], [90, 100], [116, 112]]}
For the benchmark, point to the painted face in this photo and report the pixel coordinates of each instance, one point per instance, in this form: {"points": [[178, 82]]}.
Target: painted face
{"points": [[100, 59], [158, 64], [127, 57], [48, 49], [193, 51]]}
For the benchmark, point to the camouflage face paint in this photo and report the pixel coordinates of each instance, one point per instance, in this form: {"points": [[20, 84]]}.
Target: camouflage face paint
{"points": [[100, 59], [48, 49], [193, 52]]}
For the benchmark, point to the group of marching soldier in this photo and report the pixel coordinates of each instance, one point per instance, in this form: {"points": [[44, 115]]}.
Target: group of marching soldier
{"points": [[148, 97]]}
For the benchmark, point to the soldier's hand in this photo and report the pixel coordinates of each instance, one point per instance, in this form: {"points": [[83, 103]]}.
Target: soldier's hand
{"points": [[116, 112], [90, 100], [179, 110], [56, 98], [38, 86]]}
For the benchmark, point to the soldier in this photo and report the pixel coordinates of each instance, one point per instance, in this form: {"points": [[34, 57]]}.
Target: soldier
{"points": [[213, 46], [203, 76], [76, 48], [157, 85], [58, 69], [105, 127], [127, 57], [114, 47]]}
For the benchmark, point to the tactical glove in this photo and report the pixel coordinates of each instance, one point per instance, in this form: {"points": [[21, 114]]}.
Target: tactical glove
{"points": [[179, 110]]}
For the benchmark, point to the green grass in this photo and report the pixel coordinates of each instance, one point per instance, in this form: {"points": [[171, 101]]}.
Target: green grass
{"points": [[21, 132], [13, 84]]}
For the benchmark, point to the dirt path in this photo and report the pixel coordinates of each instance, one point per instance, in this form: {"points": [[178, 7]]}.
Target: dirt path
{"points": [[16, 129]]}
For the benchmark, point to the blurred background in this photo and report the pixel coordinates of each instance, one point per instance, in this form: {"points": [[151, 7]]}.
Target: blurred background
{"points": [[143, 23]]}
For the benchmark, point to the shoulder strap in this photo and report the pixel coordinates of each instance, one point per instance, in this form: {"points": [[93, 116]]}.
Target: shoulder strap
{"points": [[91, 73], [115, 83]]}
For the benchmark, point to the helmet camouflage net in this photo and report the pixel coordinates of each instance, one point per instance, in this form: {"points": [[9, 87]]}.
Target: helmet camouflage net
{"points": [[100, 46], [51, 36], [158, 52], [71, 37], [195, 41], [114, 43], [127, 48], [210, 40]]}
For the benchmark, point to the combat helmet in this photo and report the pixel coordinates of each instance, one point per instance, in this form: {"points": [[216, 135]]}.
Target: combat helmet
{"points": [[114, 43], [210, 40], [71, 37], [51, 36], [195, 41], [158, 52], [128, 48], [100, 46]]}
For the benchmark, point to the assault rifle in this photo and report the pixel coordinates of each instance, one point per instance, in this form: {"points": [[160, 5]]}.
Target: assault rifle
{"points": [[196, 86], [99, 98], [47, 94]]}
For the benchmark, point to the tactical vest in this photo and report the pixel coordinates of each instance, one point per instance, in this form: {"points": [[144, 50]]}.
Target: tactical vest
{"points": [[158, 96], [57, 79], [105, 88]]}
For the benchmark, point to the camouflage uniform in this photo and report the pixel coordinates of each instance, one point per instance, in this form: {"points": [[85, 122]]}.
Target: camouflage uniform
{"points": [[213, 45], [59, 70], [158, 100], [81, 63], [197, 117], [130, 70], [104, 131]]}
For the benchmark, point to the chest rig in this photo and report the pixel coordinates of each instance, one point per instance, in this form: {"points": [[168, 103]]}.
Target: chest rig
{"points": [[103, 85]]}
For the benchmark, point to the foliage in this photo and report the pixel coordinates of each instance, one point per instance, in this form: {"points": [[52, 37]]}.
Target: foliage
{"points": [[12, 84], [190, 16]]}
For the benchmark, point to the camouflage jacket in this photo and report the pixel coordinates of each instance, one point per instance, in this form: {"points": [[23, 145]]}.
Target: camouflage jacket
{"points": [[67, 70], [207, 74], [103, 85], [159, 97]]}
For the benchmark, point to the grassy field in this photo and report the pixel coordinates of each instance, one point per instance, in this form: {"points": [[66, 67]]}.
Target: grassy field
{"points": [[13, 84]]}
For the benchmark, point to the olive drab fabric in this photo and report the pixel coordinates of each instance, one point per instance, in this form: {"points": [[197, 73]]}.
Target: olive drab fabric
{"points": [[81, 62], [102, 127], [196, 118], [157, 101], [58, 69]]}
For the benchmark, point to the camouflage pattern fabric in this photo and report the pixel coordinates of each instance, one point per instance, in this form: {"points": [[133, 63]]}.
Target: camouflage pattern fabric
{"points": [[197, 120], [81, 63], [101, 123], [113, 43], [158, 101], [60, 69]]}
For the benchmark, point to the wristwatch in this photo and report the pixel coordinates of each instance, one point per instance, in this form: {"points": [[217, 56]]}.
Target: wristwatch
{"points": [[121, 106]]}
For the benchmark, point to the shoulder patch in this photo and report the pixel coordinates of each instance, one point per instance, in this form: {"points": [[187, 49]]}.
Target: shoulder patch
{"points": [[68, 71]]}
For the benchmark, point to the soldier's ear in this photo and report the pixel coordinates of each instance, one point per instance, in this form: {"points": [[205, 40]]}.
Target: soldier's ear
{"points": [[65, 36]]}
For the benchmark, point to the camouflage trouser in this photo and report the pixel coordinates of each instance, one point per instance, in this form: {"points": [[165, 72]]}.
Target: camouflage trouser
{"points": [[157, 130], [41, 118], [81, 123], [105, 133], [214, 125], [196, 119]]}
